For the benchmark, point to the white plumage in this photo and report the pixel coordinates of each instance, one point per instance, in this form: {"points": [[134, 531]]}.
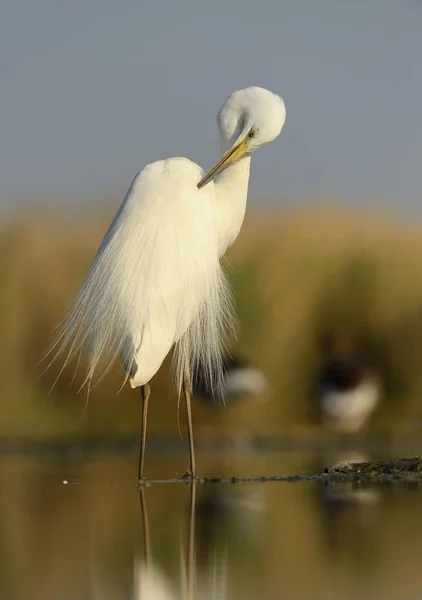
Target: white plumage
{"points": [[157, 271], [157, 274]]}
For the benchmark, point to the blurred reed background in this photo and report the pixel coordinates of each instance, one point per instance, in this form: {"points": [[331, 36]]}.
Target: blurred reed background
{"points": [[296, 275]]}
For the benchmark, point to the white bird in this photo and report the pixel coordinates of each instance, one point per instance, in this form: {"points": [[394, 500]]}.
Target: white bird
{"points": [[348, 390], [156, 280], [240, 379]]}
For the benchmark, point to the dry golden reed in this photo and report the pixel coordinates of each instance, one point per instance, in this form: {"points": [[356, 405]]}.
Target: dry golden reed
{"points": [[294, 273]]}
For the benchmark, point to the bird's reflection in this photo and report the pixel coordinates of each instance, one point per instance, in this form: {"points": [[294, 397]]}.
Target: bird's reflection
{"points": [[348, 514], [211, 542], [216, 514], [224, 513], [150, 582]]}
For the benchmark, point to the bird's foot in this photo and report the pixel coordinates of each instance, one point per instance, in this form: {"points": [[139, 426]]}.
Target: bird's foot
{"points": [[188, 476]]}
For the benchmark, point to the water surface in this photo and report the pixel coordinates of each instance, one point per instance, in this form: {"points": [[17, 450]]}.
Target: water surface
{"points": [[98, 537]]}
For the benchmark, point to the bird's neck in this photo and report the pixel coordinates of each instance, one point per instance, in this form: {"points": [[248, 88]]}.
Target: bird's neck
{"points": [[231, 188]]}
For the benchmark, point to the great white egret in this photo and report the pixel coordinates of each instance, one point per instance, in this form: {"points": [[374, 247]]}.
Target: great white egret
{"points": [[156, 280]]}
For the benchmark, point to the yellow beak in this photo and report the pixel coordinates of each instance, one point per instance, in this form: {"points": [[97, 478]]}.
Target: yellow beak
{"points": [[231, 156]]}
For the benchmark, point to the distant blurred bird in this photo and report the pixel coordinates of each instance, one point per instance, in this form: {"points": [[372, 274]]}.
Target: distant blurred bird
{"points": [[240, 379], [348, 391], [156, 280]]}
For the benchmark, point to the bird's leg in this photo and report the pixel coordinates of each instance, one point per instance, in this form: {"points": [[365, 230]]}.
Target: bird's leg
{"points": [[187, 390], [145, 524], [145, 392], [191, 566]]}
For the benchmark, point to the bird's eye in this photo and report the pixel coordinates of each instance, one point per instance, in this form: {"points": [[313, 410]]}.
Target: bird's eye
{"points": [[251, 134]]}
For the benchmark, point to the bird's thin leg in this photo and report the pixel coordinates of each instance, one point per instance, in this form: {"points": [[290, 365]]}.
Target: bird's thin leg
{"points": [[145, 524], [191, 566], [187, 390], [145, 392]]}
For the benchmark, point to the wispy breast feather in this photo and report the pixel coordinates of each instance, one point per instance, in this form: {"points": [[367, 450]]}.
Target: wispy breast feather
{"points": [[156, 277]]}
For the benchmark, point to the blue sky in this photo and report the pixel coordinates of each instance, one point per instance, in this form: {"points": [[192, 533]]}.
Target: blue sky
{"points": [[92, 90]]}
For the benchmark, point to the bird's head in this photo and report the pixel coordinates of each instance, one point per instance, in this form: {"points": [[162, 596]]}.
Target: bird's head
{"points": [[248, 119]]}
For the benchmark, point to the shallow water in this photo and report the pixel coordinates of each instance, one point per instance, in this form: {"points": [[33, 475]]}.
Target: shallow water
{"points": [[98, 537]]}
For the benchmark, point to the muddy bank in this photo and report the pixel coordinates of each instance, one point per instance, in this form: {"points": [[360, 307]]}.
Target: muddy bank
{"points": [[401, 471]]}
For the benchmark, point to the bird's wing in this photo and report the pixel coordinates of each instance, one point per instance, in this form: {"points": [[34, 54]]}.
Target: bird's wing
{"points": [[156, 275]]}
